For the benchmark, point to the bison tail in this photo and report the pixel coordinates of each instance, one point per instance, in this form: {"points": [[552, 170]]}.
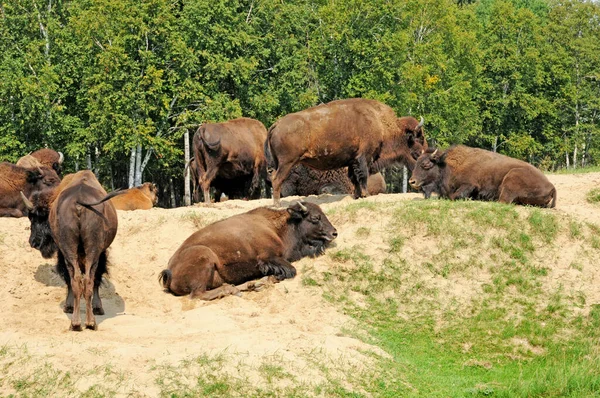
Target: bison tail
{"points": [[272, 163], [104, 199], [212, 146], [165, 277]]}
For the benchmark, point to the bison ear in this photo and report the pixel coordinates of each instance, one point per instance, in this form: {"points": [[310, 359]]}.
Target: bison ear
{"points": [[297, 211], [438, 157], [33, 175]]}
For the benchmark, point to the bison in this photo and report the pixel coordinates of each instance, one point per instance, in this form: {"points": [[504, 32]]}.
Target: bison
{"points": [[143, 197], [15, 179], [306, 181], [43, 157], [229, 151], [77, 220], [244, 247], [462, 172], [364, 135]]}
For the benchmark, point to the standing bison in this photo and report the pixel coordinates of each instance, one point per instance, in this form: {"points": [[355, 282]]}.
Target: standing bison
{"points": [[231, 152], [462, 172], [241, 248], [304, 181], [15, 179], [364, 135], [64, 219]]}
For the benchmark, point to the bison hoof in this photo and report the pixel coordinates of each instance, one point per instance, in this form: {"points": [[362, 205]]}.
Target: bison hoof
{"points": [[98, 311], [76, 328], [68, 309], [92, 326]]}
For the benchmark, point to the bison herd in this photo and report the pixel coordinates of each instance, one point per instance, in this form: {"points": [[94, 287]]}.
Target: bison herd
{"points": [[339, 147]]}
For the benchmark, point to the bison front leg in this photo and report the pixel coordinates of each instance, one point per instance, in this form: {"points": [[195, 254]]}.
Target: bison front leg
{"points": [[279, 267], [359, 173]]}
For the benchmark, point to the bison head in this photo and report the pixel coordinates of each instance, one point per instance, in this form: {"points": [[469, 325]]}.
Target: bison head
{"points": [[312, 229], [427, 174], [38, 211], [42, 177]]}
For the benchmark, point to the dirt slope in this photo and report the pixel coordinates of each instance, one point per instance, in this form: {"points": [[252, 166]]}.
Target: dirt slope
{"points": [[145, 327]]}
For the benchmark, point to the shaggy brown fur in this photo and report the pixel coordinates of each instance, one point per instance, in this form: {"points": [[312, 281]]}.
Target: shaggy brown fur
{"points": [[304, 181], [228, 151], [143, 197], [462, 172], [363, 135], [63, 220], [43, 157], [244, 247], [15, 179]]}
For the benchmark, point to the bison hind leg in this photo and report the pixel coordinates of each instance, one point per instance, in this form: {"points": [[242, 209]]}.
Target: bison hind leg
{"points": [[61, 269], [278, 267], [100, 271]]}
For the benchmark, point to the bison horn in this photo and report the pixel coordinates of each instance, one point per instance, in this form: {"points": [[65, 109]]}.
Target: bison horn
{"points": [[421, 123], [302, 207], [61, 158], [27, 202], [434, 152], [40, 171]]}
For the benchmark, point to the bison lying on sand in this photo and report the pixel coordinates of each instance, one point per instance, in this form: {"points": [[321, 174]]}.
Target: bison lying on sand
{"points": [[15, 179], [364, 135], [248, 246], [462, 172], [304, 181], [143, 197], [64, 219], [231, 150]]}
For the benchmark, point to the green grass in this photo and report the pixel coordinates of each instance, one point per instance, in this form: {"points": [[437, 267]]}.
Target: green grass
{"points": [[514, 337], [593, 195], [579, 170]]}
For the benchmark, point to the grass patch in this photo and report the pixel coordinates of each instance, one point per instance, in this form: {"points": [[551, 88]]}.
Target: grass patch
{"points": [[593, 195], [512, 337]]}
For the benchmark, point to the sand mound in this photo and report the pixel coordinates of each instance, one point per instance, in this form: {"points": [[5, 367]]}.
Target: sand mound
{"points": [[144, 326]]}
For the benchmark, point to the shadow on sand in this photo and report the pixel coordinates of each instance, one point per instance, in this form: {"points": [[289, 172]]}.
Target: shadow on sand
{"points": [[112, 302]]}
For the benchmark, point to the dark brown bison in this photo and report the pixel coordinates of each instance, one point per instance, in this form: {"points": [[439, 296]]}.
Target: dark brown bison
{"points": [[15, 179], [228, 151], [43, 157], [77, 220], [143, 197], [462, 172], [363, 135], [234, 188], [304, 181], [241, 248]]}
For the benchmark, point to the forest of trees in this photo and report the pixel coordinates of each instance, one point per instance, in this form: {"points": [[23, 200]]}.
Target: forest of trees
{"points": [[115, 84]]}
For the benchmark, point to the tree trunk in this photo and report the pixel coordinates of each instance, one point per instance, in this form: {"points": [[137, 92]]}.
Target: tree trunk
{"points": [[138, 166], [187, 201], [404, 179], [172, 191], [567, 157], [89, 161], [575, 157], [132, 168], [495, 145]]}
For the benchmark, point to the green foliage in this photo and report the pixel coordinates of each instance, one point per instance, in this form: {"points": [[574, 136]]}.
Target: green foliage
{"points": [[593, 195], [96, 79]]}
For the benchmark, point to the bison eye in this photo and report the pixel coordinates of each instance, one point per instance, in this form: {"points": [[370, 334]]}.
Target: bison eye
{"points": [[315, 219]]}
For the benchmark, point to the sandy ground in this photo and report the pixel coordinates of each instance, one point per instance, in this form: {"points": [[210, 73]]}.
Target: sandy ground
{"points": [[144, 326]]}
